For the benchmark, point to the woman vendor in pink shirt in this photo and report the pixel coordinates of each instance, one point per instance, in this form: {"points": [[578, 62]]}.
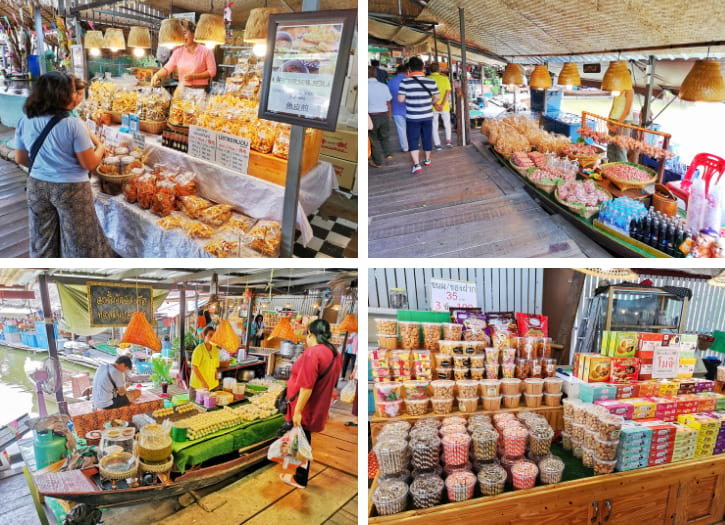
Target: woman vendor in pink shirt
{"points": [[194, 61]]}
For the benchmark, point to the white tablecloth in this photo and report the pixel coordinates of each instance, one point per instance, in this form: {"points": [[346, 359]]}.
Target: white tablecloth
{"points": [[133, 232]]}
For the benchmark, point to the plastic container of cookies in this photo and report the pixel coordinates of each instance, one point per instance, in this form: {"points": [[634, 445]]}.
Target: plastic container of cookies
{"points": [[467, 388], [388, 341], [524, 475], [417, 407], [442, 388], [511, 401], [386, 326], [426, 491], [390, 497], [452, 331], [551, 470], [409, 334], [442, 405], [425, 452], [468, 404], [491, 479]]}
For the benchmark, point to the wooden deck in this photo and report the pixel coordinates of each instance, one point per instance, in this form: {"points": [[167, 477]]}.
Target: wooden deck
{"points": [[13, 209], [465, 205]]}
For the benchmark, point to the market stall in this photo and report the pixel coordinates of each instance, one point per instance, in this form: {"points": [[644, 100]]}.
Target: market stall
{"points": [[467, 408]]}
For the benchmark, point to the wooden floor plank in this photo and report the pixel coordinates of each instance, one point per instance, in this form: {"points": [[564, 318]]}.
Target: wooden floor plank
{"points": [[324, 496], [335, 453], [465, 205], [347, 515]]}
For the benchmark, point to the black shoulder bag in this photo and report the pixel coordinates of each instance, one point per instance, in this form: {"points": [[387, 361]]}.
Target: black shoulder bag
{"points": [[35, 148], [282, 403], [424, 87]]}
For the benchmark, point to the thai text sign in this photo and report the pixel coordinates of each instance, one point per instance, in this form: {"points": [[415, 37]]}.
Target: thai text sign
{"points": [[114, 304], [447, 293]]}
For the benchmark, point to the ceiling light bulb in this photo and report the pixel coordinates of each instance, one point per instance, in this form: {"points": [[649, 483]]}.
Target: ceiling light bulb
{"points": [[615, 93], [95, 52], [568, 87], [139, 52], [210, 45], [259, 50]]}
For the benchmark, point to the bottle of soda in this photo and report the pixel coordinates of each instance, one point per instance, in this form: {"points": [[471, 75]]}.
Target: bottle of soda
{"points": [[654, 233], [634, 228], [664, 236]]}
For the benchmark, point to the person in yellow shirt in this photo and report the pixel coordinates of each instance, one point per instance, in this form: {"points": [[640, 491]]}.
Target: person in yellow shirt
{"points": [[204, 364], [442, 109]]}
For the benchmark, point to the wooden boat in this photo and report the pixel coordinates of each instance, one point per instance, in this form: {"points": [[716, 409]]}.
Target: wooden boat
{"points": [[84, 485]]}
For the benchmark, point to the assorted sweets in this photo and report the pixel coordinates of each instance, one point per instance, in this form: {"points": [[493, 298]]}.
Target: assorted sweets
{"points": [[459, 458]]}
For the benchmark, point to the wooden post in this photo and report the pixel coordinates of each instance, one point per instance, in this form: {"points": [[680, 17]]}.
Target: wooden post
{"points": [[52, 346], [644, 119], [466, 121], [182, 330], [454, 101], [435, 43], [250, 311]]}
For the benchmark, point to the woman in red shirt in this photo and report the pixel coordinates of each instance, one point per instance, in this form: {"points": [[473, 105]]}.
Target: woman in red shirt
{"points": [[309, 389]]}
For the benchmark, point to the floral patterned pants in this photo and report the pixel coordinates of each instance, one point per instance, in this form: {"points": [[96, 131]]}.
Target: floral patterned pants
{"points": [[63, 221]]}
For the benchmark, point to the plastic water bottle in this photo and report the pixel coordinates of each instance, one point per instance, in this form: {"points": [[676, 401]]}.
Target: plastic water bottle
{"points": [[696, 205]]}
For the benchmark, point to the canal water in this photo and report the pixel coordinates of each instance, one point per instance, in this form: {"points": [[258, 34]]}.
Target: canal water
{"points": [[17, 391]]}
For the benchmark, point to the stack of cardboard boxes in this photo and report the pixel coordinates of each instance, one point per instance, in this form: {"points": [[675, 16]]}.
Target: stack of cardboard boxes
{"points": [[339, 148]]}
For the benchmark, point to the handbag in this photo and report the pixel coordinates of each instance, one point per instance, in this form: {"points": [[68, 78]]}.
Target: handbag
{"points": [[282, 403], [38, 143]]}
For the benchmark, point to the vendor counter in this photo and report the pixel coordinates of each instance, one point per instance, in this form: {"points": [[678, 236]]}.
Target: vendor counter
{"points": [[133, 232], [85, 417]]}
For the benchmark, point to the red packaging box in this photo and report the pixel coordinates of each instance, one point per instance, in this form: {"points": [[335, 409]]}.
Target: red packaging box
{"points": [[624, 369], [706, 404], [648, 388], [662, 429], [648, 341], [627, 390]]}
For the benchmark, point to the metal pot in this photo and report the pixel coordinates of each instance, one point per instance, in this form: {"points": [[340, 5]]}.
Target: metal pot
{"points": [[287, 349], [247, 375]]}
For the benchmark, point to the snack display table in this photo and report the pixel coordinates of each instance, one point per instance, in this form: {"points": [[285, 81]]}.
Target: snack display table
{"points": [[188, 453], [86, 418], [687, 492], [133, 231]]}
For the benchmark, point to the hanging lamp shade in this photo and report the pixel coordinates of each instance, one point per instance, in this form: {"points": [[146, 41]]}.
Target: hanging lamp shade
{"points": [[114, 40], [139, 37], [512, 75], [617, 77], [210, 31], [349, 324], [93, 40], [225, 337], [624, 274], [171, 34], [569, 75], [140, 332], [540, 78], [255, 31], [718, 280], [283, 330], [704, 83]]}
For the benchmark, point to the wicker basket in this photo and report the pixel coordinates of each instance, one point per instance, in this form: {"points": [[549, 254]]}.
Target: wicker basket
{"points": [[664, 201], [522, 171], [177, 127], [628, 185], [586, 212], [152, 126], [112, 184], [587, 161], [543, 186]]}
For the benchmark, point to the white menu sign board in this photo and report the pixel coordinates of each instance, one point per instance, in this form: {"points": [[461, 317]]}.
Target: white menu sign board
{"points": [[229, 151], [448, 293], [665, 362]]}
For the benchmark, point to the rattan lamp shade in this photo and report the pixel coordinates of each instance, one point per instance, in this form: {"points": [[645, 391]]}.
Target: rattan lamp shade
{"points": [[704, 83], [114, 40], [349, 324], [225, 337], [210, 31], [171, 34], [255, 31], [512, 75], [93, 40], [625, 274], [617, 77], [283, 330], [140, 332], [139, 37], [540, 78], [569, 75], [718, 280]]}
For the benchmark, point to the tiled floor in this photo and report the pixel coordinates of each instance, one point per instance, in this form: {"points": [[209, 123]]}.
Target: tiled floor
{"points": [[331, 237]]}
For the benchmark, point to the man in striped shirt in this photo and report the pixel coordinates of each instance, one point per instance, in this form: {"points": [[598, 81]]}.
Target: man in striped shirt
{"points": [[419, 94]]}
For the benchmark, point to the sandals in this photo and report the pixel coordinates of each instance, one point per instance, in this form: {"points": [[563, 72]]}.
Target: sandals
{"points": [[373, 165], [290, 480], [350, 424]]}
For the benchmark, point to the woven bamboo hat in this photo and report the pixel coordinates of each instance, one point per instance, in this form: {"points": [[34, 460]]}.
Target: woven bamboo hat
{"points": [[704, 83]]}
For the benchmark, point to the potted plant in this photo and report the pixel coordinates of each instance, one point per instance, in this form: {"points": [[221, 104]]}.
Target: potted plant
{"points": [[160, 374]]}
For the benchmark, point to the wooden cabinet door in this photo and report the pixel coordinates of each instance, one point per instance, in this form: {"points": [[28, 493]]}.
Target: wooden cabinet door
{"points": [[639, 503], [702, 499]]}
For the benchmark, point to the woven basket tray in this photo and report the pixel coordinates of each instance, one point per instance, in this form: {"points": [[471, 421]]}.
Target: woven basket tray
{"points": [[152, 126], [115, 116], [522, 171], [628, 185], [586, 212], [547, 187]]}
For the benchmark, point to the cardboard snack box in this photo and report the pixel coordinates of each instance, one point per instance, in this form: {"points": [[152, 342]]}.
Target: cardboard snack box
{"points": [[624, 368], [623, 344]]}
